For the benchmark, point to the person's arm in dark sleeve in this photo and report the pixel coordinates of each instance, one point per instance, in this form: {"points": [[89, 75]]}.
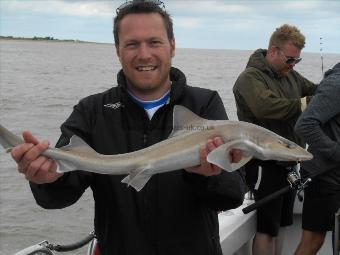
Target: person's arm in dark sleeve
{"points": [[220, 192], [63, 192], [69, 188], [226, 190], [322, 108]]}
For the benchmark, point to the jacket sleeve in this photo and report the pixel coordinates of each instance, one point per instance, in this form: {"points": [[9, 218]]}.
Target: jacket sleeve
{"points": [[324, 106], [224, 191], [250, 89], [69, 188], [63, 192]]}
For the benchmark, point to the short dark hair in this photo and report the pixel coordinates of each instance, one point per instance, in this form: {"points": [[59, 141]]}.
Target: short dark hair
{"points": [[139, 7]]}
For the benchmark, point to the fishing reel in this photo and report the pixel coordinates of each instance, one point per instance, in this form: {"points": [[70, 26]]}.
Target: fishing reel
{"points": [[297, 183]]}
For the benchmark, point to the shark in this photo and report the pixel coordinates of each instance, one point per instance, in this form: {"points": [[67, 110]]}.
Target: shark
{"points": [[179, 151]]}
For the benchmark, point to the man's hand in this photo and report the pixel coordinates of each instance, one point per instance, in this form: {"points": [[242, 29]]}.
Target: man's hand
{"points": [[36, 168], [208, 169]]}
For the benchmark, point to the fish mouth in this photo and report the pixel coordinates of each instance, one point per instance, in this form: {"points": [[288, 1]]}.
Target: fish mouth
{"points": [[290, 152], [306, 157], [302, 156]]}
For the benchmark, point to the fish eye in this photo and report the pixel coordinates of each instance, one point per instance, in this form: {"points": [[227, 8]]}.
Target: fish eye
{"points": [[287, 145], [291, 145]]}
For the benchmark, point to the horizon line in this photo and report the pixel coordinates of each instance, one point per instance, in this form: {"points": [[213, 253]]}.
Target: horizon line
{"points": [[52, 39]]}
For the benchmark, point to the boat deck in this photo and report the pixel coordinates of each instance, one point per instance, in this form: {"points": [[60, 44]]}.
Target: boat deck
{"points": [[293, 236], [237, 230]]}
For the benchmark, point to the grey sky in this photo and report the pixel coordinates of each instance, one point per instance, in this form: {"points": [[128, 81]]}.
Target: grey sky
{"points": [[219, 24]]}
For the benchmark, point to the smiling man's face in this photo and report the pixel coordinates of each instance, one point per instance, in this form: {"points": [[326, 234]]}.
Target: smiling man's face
{"points": [[145, 53]]}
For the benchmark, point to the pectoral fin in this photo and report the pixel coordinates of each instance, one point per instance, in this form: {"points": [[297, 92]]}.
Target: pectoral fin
{"points": [[220, 156], [138, 178]]}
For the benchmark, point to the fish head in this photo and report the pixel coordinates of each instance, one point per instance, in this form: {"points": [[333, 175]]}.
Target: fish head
{"points": [[279, 148]]}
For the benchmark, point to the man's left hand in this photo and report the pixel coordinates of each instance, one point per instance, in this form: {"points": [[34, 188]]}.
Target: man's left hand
{"points": [[208, 169]]}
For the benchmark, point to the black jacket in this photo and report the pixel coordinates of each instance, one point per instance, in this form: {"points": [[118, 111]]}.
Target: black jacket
{"points": [[176, 212]]}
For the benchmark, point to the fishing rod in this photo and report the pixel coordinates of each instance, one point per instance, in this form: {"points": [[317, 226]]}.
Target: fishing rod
{"points": [[321, 56], [295, 183]]}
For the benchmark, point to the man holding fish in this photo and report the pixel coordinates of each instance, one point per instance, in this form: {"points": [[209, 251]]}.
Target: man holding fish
{"points": [[175, 212]]}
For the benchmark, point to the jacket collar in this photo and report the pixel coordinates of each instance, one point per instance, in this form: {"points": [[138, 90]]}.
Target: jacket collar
{"points": [[258, 61]]}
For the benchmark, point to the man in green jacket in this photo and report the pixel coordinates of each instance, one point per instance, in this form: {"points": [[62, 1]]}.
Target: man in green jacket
{"points": [[268, 93]]}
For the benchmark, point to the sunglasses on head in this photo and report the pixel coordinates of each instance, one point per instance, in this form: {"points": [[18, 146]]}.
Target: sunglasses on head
{"points": [[290, 60], [127, 3]]}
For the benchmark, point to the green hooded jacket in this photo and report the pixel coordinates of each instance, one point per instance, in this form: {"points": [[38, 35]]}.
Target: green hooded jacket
{"points": [[270, 100]]}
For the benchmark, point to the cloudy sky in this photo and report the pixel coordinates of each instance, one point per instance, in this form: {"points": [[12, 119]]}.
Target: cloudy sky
{"points": [[208, 24]]}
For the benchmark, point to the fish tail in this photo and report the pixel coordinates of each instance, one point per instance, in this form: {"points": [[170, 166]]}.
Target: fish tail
{"points": [[8, 140]]}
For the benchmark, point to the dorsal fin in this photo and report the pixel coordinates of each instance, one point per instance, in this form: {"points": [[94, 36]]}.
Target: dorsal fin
{"points": [[185, 121], [78, 144]]}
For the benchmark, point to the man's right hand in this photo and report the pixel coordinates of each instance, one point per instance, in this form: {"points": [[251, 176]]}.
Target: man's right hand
{"points": [[36, 168]]}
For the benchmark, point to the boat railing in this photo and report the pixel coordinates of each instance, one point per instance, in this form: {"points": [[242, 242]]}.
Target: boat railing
{"points": [[47, 248]]}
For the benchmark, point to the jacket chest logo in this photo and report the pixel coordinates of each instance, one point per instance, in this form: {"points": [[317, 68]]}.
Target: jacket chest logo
{"points": [[114, 106]]}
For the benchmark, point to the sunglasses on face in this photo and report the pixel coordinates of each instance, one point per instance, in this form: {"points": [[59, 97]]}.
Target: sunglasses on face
{"points": [[290, 60], [127, 3]]}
